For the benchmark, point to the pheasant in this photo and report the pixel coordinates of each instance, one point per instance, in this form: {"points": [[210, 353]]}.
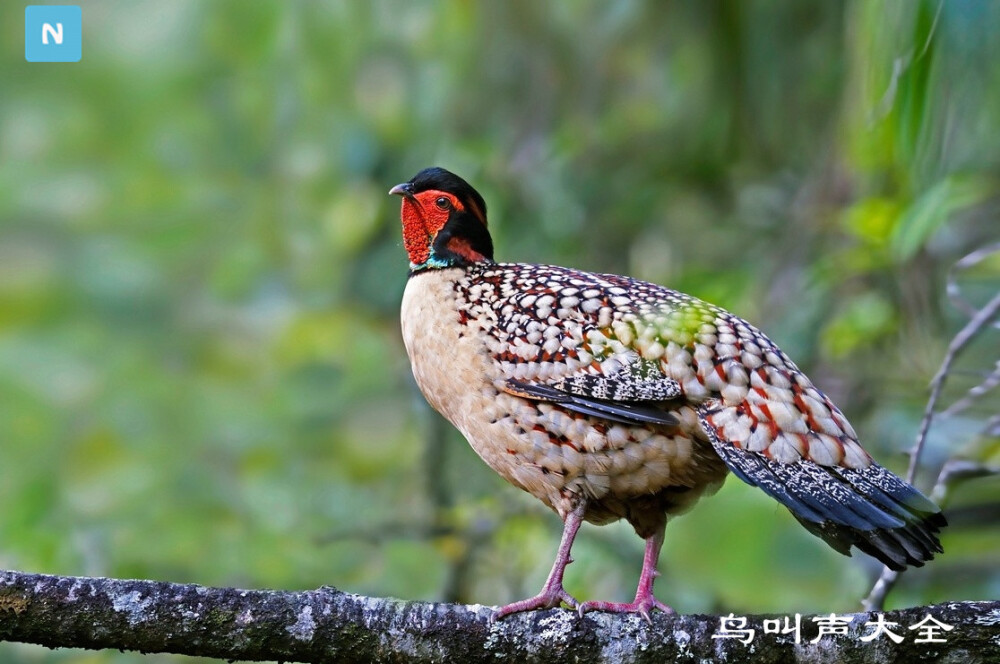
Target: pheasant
{"points": [[610, 398]]}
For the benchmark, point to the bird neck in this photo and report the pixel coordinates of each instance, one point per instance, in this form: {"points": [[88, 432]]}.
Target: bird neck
{"points": [[463, 241]]}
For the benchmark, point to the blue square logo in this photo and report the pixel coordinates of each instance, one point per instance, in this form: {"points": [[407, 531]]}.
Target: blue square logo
{"points": [[53, 33]]}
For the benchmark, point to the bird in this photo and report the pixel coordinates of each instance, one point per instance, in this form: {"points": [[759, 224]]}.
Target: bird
{"points": [[608, 398]]}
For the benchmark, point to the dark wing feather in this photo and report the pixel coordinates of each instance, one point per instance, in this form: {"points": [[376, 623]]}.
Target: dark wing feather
{"points": [[625, 412]]}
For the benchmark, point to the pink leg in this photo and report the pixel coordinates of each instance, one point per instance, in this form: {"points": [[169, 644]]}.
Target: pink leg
{"points": [[644, 601], [552, 592]]}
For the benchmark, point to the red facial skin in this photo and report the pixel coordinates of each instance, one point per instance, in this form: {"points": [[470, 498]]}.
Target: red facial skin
{"points": [[423, 218], [424, 215]]}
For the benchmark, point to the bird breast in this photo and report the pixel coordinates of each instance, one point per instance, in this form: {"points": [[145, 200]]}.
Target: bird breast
{"points": [[448, 358]]}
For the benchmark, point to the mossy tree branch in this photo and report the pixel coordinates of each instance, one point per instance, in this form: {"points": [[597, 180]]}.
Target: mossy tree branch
{"points": [[327, 625]]}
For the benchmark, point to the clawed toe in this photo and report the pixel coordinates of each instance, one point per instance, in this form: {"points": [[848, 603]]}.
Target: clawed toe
{"points": [[641, 605], [547, 599]]}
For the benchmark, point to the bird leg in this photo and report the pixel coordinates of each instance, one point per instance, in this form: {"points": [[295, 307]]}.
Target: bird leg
{"points": [[552, 593], [644, 601]]}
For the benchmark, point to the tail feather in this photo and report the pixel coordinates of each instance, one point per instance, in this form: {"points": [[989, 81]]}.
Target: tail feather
{"points": [[871, 508]]}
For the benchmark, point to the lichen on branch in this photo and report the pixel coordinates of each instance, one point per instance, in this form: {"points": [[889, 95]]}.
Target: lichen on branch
{"points": [[327, 625]]}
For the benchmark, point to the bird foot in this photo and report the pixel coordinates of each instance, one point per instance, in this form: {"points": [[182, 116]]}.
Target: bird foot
{"points": [[549, 598], [643, 604]]}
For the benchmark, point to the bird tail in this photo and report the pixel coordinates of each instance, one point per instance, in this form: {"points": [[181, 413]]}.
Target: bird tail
{"points": [[911, 543], [870, 508]]}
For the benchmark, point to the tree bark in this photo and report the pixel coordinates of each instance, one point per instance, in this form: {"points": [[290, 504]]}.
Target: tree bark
{"points": [[327, 625]]}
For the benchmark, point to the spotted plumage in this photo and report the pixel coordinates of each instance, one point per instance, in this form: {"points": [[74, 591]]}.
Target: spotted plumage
{"points": [[607, 397]]}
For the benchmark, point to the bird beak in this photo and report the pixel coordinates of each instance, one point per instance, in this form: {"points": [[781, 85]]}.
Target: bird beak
{"points": [[405, 190]]}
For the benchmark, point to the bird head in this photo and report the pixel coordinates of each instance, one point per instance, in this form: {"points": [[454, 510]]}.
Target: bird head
{"points": [[444, 221]]}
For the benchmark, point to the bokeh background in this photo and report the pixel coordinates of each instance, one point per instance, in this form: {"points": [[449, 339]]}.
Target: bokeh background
{"points": [[201, 374]]}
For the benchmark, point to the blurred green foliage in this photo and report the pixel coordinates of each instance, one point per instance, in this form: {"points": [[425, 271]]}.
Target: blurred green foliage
{"points": [[201, 376]]}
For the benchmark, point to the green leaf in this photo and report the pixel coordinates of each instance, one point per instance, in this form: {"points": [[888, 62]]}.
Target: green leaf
{"points": [[872, 219], [933, 209]]}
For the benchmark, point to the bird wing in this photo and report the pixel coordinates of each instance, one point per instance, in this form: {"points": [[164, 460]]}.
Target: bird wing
{"points": [[625, 389]]}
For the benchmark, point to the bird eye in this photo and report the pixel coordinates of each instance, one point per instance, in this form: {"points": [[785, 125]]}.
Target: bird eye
{"points": [[442, 202]]}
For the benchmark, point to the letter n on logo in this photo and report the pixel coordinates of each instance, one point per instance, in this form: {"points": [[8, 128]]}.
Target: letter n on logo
{"points": [[56, 33]]}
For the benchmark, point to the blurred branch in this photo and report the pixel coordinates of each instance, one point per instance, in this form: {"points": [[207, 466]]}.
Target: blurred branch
{"points": [[436, 484], [327, 625], [980, 318], [983, 318], [953, 290], [990, 382], [954, 471]]}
